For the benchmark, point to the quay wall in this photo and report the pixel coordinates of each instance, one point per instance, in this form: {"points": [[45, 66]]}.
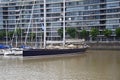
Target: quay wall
{"points": [[110, 45], [104, 45]]}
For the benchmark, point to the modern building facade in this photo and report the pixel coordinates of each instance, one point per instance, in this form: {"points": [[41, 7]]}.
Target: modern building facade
{"points": [[31, 15]]}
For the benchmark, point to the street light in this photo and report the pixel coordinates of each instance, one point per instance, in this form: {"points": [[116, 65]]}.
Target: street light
{"points": [[63, 20], [70, 19]]}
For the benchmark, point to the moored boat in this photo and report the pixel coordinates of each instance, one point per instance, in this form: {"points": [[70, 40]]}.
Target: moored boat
{"points": [[1, 51], [38, 52], [4, 49], [17, 51], [55, 50]]}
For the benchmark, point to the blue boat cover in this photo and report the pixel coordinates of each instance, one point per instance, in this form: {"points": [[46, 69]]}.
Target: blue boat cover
{"points": [[4, 46], [24, 47]]}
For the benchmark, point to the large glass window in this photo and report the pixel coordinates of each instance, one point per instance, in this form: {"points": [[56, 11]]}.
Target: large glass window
{"points": [[54, 1], [75, 9], [113, 10], [110, 5], [91, 7], [91, 1], [113, 21], [75, 13], [113, 16], [54, 5], [111, 0]]}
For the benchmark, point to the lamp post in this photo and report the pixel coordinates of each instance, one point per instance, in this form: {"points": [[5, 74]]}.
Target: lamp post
{"points": [[69, 24], [62, 20], [69, 19], [64, 30]]}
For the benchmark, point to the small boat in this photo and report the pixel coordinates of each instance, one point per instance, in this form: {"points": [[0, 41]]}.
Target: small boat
{"points": [[17, 51], [8, 52], [1, 51], [4, 49]]}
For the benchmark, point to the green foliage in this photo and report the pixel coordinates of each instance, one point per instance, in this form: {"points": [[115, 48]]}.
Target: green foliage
{"points": [[60, 32], [10, 34], [107, 33], [72, 32], [19, 32], [2, 34], [94, 32], [32, 36], [84, 34], [117, 32]]}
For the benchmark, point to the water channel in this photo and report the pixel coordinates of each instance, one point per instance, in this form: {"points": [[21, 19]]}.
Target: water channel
{"points": [[93, 65]]}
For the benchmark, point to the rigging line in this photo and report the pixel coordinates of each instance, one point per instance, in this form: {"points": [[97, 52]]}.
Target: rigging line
{"points": [[29, 22], [20, 10], [36, 34]]}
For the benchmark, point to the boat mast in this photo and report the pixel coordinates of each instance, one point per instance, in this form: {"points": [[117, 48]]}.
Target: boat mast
{"points": [[44, 44], [36, 34], [63, 23], [6, 32]]}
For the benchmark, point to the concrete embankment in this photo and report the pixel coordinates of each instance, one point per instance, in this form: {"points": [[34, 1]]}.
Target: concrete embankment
{"points": [[104, 45]]}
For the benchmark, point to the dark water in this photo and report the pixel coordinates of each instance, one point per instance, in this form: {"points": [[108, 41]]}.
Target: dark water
{"points": [[93, 65]]}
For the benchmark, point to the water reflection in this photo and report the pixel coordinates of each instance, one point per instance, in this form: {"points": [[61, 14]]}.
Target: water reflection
{"points": [[93, 65]]}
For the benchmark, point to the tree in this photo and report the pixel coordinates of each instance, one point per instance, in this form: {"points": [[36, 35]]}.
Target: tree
{"points": [[94, 33], [10, 34], [107, 33], [117, 32], [32, 36], [72, 32], [2, 34], [60, 32], [19, 31], [84, 34]]}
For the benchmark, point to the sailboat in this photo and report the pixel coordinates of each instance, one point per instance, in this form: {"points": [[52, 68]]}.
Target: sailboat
{"points": [[56, 49], [5, 48], [14, 50]]}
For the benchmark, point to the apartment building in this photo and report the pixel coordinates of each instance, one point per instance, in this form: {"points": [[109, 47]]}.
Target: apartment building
{"points": [[31, 15]]}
